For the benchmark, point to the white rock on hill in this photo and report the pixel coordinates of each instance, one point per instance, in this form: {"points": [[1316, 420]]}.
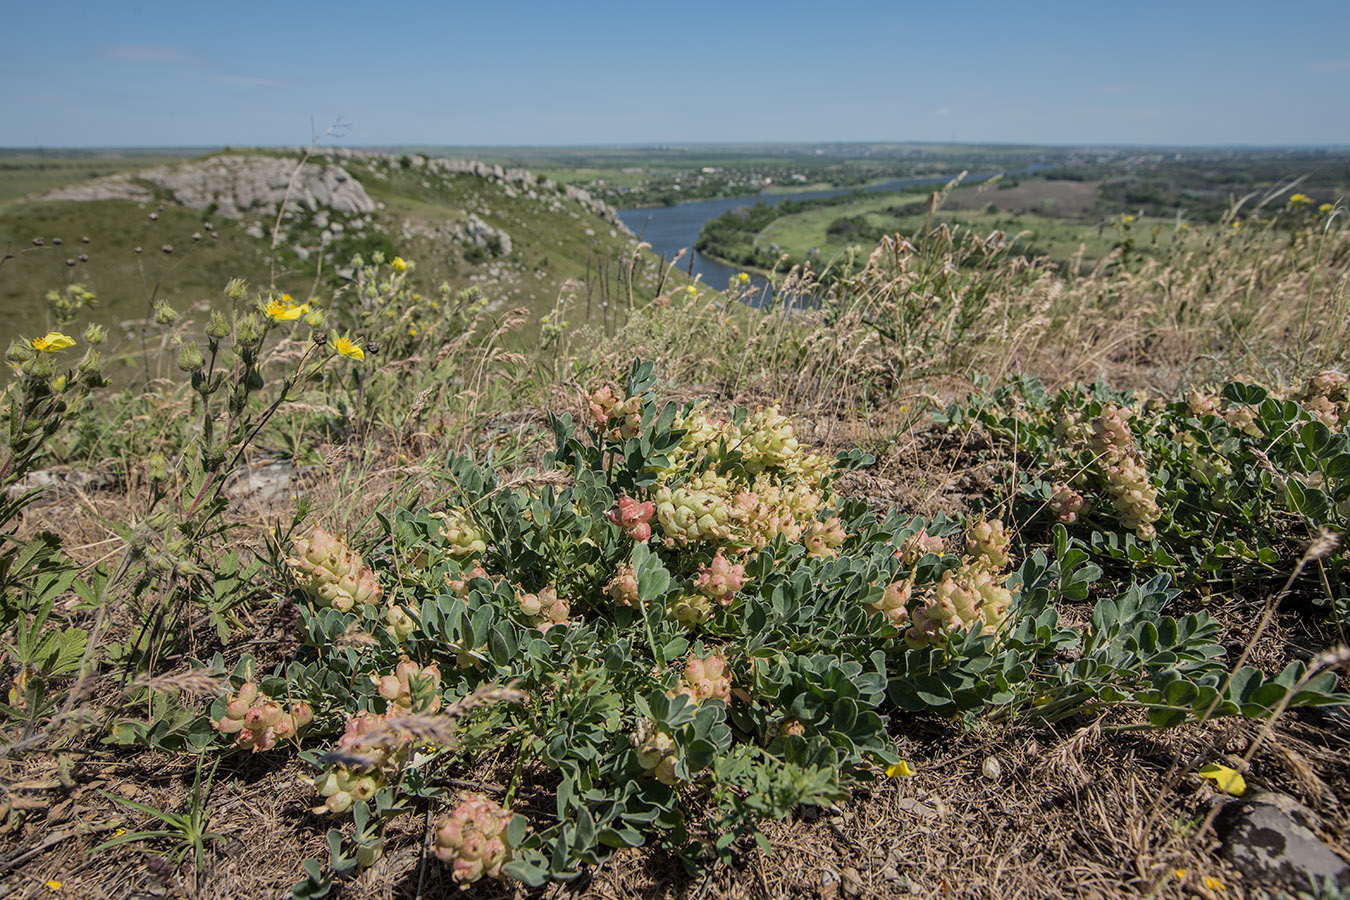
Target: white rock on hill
{"points": [[235, 185]]}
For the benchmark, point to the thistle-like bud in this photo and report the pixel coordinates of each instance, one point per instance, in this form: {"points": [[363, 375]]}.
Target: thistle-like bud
{"points": [[164, 313], [248, 330], [236, 288], [19, 352], [217, 326], [95, 335], [157, 468], [190, 359]]}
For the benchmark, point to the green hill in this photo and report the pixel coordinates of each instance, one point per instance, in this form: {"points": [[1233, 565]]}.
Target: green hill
{"points": [[181, 230]]}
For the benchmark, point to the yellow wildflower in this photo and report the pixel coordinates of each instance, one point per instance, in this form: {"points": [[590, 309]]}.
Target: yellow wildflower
{"points": [[1225, 779], [743, 277], [347, 347], [1300, 200], [1215, 884], [412, 331], [691, 291], [284, 310], [53, 885], [399, 264], [901, 769], [51, 342], [1324, 208], [1129, 219]]}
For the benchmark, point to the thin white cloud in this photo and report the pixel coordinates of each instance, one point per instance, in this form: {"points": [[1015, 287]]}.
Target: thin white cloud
{"points": [[149, 53], [1330, 66], [944, 111]]}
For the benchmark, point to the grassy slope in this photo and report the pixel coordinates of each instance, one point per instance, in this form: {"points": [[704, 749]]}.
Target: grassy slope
{"points": [[550, 241], [24, 175]]}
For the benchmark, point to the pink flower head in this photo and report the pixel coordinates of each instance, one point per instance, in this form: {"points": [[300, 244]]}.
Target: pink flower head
{"points": [[603, 404], [634, 517], [720, 579]]}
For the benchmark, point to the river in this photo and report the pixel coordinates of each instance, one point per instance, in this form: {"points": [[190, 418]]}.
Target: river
{"points": [[670, 229]]}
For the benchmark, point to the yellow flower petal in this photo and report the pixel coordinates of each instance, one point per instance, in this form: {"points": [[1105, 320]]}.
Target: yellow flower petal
{"points": [[1225, 779], [347, 347], [51, 342], [53, 885], [399, 264], [902, 769], [1215, 884], [282, 310]]}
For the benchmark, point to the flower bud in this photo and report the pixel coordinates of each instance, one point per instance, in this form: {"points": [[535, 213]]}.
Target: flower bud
{"points": [[189, 357], [164, 313]]}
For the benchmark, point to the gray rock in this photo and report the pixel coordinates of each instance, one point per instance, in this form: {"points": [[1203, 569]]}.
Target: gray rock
{"points": [[234, 185], [1272, 839], [267, 483]]}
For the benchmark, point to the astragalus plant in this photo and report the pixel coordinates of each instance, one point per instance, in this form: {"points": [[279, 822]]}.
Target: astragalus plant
{"points": [[696, 633]]}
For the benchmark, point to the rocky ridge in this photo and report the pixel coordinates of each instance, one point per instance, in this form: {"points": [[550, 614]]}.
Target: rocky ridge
{"points": [[323, 199]]}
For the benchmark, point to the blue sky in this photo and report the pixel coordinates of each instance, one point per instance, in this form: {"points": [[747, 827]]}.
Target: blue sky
{"points": [[150, 73]]}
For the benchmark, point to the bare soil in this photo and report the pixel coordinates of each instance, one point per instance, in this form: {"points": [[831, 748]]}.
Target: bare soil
{"points": [[1067, 199]]}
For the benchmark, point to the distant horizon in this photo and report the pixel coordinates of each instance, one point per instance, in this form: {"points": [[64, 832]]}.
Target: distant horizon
{"points": [[415, 146], [605, 73]]}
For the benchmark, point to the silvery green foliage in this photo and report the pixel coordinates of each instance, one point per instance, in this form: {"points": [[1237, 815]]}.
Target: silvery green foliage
{"points": [[629, 735]]}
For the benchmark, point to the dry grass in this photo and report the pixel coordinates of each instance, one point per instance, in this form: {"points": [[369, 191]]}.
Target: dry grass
{"points": [[1080, 812]]}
